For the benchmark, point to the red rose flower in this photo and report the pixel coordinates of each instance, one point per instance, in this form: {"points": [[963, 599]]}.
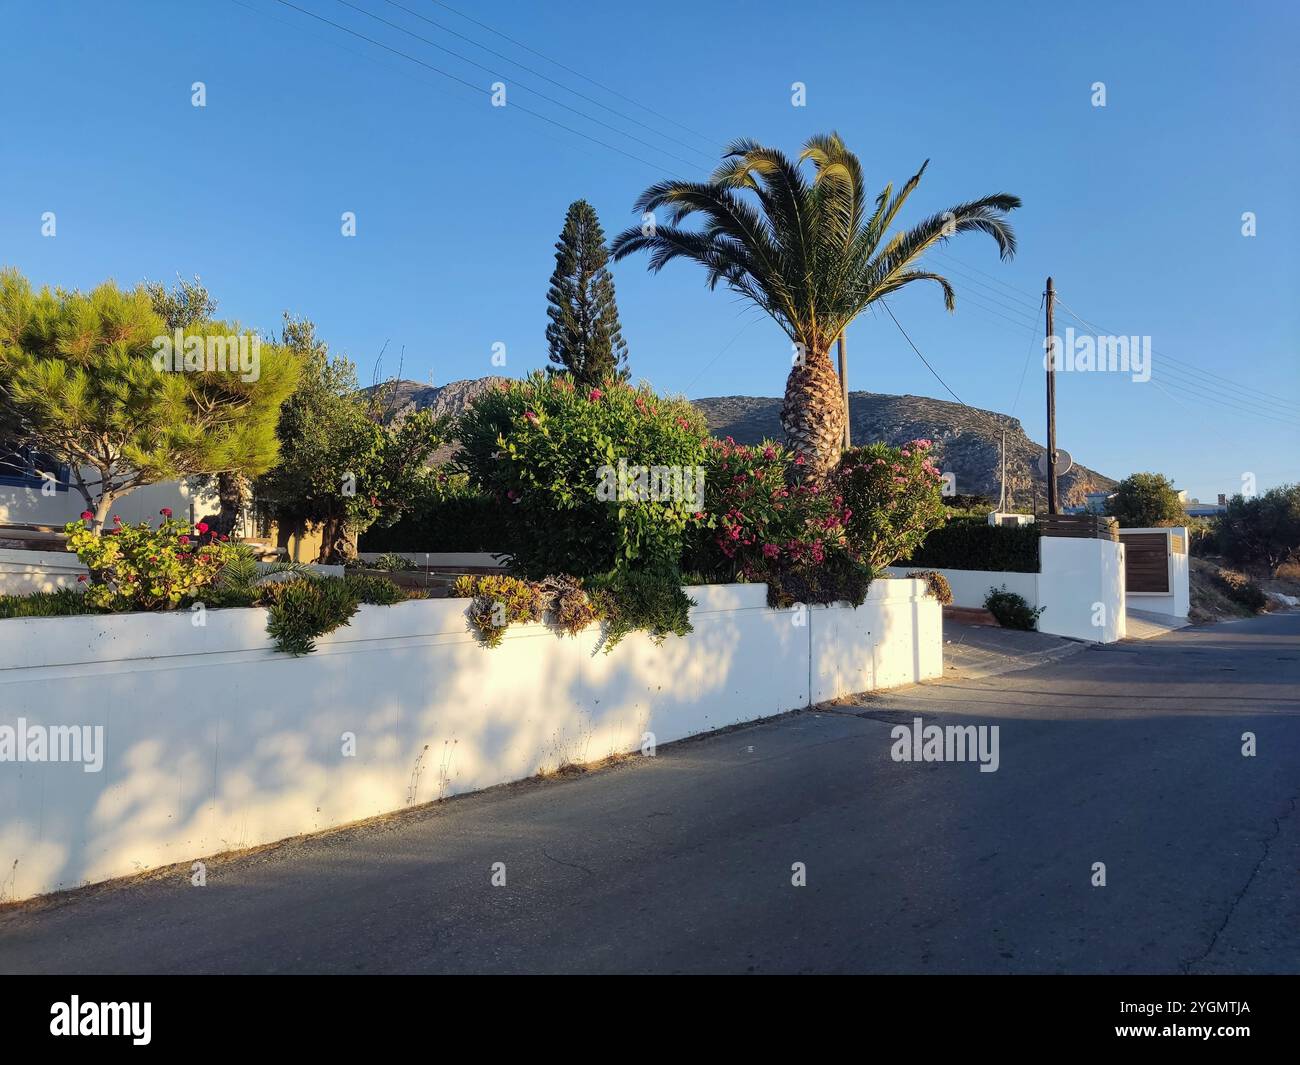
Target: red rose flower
{"points": [[202, 526], [83, 577], [87, 516], [184, 539], [595, 394], [166, 512]]}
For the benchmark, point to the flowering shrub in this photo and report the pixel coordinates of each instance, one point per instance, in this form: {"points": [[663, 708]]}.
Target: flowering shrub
{"points": [[761, 518], [540, 446], [137, 567], [892, 498]]}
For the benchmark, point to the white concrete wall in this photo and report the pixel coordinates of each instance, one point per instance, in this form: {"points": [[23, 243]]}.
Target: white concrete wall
{"points": [[214, 741], [1082, 588], [31, 506], [970, 587], [25, 572], [1178, 601]]}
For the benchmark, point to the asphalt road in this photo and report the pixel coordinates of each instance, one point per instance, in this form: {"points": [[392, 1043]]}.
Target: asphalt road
{"points": [[1130, 755]]}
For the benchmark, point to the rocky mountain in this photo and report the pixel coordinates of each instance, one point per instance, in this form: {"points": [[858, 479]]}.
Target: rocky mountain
{"points": [[967, 441]]}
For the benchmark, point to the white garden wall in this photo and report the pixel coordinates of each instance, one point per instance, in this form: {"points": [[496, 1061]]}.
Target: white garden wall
{"points": [[25, 572], [1081, 588], [214, 741], [970, 587]]}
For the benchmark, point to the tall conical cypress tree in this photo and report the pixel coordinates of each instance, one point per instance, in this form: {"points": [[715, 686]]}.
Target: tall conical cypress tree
{"points": [[584, 334]]}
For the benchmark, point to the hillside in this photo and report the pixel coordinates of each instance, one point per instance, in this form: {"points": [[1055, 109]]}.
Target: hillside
{"points": [[966, 440]]}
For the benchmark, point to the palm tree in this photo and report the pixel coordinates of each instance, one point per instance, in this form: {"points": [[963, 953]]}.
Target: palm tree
{"points": [[808, 255]]}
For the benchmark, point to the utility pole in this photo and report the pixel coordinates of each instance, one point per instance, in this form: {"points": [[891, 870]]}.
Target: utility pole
{"points": [[844, 390], [1051, 404]]}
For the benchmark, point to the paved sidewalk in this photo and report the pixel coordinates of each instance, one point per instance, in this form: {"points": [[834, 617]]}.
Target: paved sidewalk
{"points": [[971, 652]]}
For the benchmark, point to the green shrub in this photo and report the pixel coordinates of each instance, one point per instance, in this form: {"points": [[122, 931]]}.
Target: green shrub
{"points": [[838, 579], [1262, 530], [1241, 589], [937, 584], [547, 451], [303, 610], [137, 567], [1145, 501], [375, 590], [979, 546], [59, 603], [1011, 609], [891, 498], [650, 601]]}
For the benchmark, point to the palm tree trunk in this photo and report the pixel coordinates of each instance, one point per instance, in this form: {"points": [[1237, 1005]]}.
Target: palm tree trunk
{"points": [[844, 387], [813, 414]]}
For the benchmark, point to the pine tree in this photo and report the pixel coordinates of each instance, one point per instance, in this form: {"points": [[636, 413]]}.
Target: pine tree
{"points": [[584, 333], [79, 381]]}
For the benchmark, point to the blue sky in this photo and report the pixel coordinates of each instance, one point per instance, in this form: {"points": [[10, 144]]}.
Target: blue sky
{"points": [[1135, 208]]}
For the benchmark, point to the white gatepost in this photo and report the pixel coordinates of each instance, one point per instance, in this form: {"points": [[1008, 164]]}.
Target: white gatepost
{"points": [[1081, 588]]}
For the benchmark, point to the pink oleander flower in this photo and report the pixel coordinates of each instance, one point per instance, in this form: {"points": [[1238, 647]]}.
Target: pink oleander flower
{"points": [[595, 394]]}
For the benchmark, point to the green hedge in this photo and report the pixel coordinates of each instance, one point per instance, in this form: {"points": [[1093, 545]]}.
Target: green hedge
{"points": [[979, 546], [469, 523]]}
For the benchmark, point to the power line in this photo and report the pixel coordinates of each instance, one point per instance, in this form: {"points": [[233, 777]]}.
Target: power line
{"points": [[941, 381], [591, 81], [1236, 390], [552, 81], [468, 84], [515, 81]]}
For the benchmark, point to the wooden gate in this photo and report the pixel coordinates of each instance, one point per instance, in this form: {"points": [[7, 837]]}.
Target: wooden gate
{"points": [[1146, 561]]}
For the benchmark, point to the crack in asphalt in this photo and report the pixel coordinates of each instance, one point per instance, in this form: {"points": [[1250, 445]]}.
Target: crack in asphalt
{"points": [[571, 865], [1186, 966]]}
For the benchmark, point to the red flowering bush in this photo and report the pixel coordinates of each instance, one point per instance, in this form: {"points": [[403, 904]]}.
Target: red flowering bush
{"points": [[762, 519], [137, 567], [892, 497]]}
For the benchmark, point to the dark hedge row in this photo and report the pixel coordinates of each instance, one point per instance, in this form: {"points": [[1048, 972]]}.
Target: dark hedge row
{"points": [[469, 523], [979, 546]]}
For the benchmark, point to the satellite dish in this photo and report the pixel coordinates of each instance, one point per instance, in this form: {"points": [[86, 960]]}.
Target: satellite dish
{"points": [[1064, 463]]}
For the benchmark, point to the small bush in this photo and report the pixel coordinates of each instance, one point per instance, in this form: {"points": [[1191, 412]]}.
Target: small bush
{"points": [[497, 603], [650, 601], [392, 562], [1241, 589], [1011, 609], [937, 584], [839, 579], [304, 610]]}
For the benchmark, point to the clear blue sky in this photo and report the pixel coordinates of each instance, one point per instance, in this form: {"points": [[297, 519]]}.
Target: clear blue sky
{"points": [[1135, 208]]}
